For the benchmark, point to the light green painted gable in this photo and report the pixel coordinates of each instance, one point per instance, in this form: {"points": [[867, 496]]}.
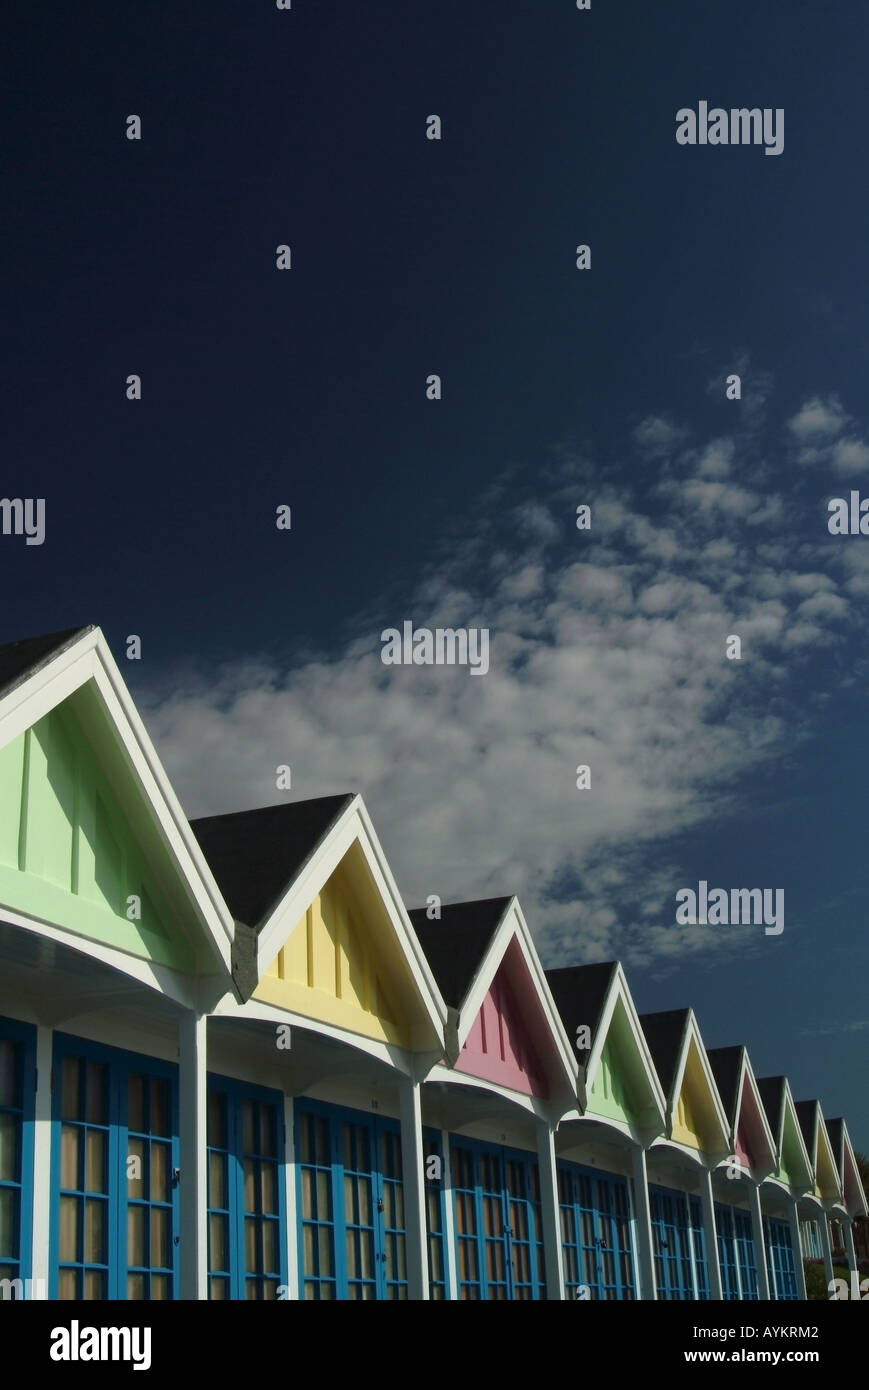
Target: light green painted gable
{"points": [[620, 1089], [67, 854]]}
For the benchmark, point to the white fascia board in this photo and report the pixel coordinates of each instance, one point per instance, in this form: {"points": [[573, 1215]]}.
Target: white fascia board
{"points": [[39, 694], [486, 971], [351, 826], [748, 1071], [789, 1101], [692, 1031], [848, 1151], [822, 1134], [619, 990], [256, 1010], [175, 984], [213, 912]]}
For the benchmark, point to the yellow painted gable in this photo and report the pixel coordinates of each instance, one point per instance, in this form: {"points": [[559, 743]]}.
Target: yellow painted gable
{"points": [[332, 967], [694, 1121]]}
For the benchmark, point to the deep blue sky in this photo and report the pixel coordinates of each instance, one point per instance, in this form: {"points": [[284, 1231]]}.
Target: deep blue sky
{"points": [[409, 257]]}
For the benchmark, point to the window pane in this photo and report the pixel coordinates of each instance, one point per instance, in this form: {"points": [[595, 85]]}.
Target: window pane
{"points": [[7, 1223], [160, 1190], [269, 1194], [247, 1141], [270, 1246], [136, 1170], [217, 1233], [218, 1288], [160, 1107], [8, 1148], [160, 1217], [8, 1073], [136, 1254], [94, 1232], [251, 1246], [95, 1161], [94, 1285], [97, 1100], [70, 1089], [67, 1284], [136, 1104], [216, 1120], [135, 1287], [250, 1202], [217, 1180], [160, 1287], [69, 1225], [267, 1131]]}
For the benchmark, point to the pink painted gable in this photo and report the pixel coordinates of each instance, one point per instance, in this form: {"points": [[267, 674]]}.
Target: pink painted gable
{"points": [[749, 1119], [498, 1047]]}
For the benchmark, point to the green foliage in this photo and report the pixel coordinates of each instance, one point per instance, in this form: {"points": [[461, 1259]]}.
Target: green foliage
{"points": [[816, 1281]]}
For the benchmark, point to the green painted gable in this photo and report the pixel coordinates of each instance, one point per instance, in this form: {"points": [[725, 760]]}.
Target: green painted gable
{"points": [[67, 852], [620, 1088]]}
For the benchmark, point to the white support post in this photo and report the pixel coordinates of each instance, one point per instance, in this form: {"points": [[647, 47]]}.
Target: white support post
{"points": [[193, 1183], [41, 1213], [759, 1242], [643, 1216], [711, 1234], [451, 1271], [413, 1168], [794, 1222], [552, 1257], [290, 1204], [826, 1249], [847, 1226]]}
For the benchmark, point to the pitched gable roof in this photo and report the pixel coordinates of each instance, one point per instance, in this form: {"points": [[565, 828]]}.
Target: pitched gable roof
{"points": [[726, 1064], [23, 658], [665, 1033], [581, 992], [778, 1102], [455, 946], [255, 855], [853, 1196]]}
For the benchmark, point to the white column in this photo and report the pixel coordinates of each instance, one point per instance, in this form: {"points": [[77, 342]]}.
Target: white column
{"points": [[42, 1191], [193, 1184], [711, 1234], [643, 1219], [759, 1242], [849, 1243], [794, 1222], [826, 1250], [413, 1169], [290, 1203], [449, 1219], [552, 1257]]}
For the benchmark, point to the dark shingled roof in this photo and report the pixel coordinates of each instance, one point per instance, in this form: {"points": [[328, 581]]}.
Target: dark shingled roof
{"points": [[664, 1032], [579, 992], [255, 855], [18, 660], [772, 1093], [726, 1063], [806, 1111], [455, 946], [837, 1142]]}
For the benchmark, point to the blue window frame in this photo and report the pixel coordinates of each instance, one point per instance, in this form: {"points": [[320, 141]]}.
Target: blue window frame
{"points": [[681, 1270], [499, 1233], [350, 1195], [780, 1253], [736, 1253], [114, 1212], [17, 1100], [436, 1214], [247, 1244], [596, 1232]]}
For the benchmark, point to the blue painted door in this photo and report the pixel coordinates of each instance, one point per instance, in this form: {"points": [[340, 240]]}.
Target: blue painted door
{"points": [[350, 1193], [681, 1271], [595, 1233], [499, 1233], [780, 1251]]}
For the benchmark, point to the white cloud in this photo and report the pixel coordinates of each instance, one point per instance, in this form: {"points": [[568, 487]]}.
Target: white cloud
{"points": [[610, 652], [818, 418]]}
